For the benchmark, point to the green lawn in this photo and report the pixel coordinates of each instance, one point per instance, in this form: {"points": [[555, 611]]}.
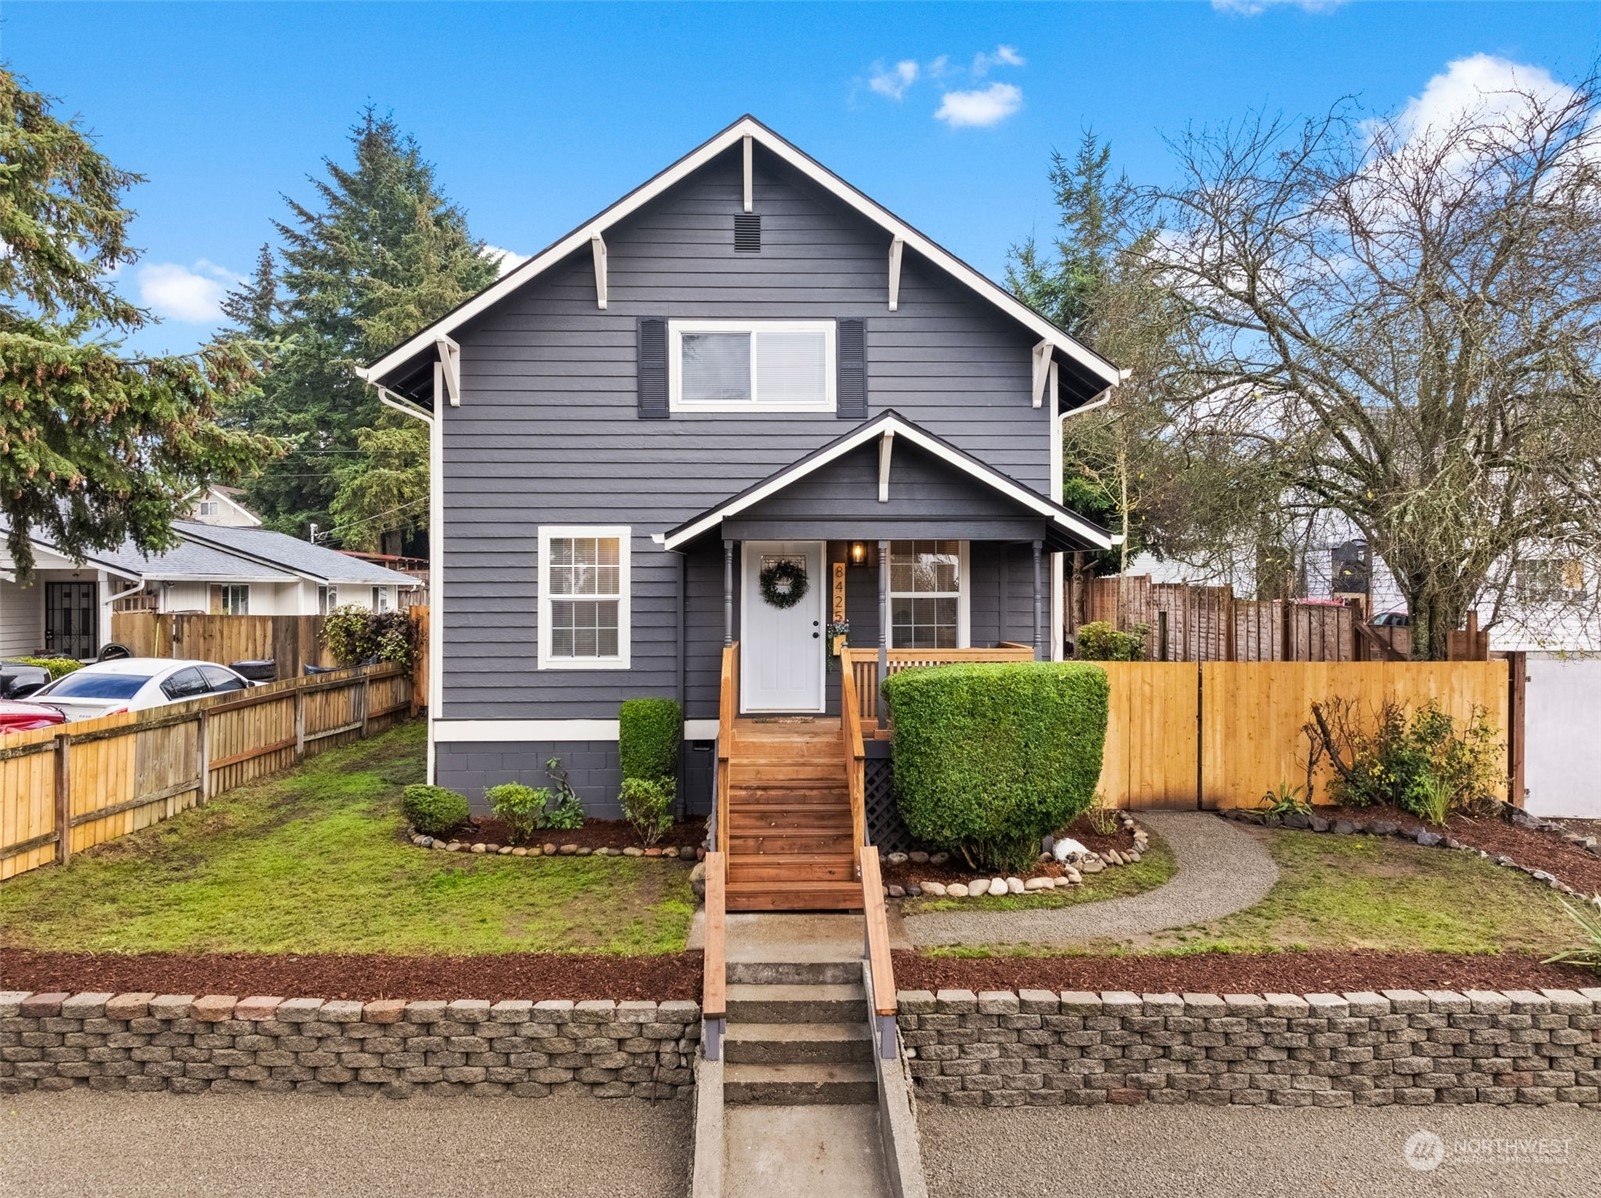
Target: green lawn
{"points": [[315, 861], [1115, 881], [1384, 893]]}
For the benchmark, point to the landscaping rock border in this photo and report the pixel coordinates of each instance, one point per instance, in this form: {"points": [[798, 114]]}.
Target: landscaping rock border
{"points": [[1043, 1048], [547, 849], [187, 1044], [1073, 868], [1313, 822]]}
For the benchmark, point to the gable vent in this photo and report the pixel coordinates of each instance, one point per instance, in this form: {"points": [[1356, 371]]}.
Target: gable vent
{"points": [[747, 233]]}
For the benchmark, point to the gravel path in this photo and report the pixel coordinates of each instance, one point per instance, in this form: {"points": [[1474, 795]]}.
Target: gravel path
{"points": [[1248, 1152], [77, 1144], [1221, 869]]}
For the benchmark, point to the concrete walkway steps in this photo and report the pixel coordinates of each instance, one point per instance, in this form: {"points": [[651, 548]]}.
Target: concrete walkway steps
{"points": [[798, 1036]]}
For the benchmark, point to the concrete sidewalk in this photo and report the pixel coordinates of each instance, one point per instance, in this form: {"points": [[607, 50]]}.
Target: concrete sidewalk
{"points": [[78, 1144]]}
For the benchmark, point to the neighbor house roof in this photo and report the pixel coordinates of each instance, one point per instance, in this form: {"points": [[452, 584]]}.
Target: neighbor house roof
{"points": [[893, 424], [292, 554], [1084, 360]]}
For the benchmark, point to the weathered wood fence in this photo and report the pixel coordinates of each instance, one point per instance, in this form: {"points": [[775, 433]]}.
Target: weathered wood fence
{"points": [[65, 789], [1221, 734]]}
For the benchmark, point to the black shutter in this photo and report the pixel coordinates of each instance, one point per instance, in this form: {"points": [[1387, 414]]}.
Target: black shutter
{"points": [[850, 395], [652, 368]]}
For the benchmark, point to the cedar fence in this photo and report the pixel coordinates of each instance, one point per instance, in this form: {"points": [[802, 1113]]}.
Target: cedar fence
{"points": [[1221, 734], [1186, 622], [65, 789], [290, 642]]}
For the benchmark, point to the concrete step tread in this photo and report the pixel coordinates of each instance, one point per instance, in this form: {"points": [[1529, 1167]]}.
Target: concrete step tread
{"points": [[784, 992], [817, 1033], [810, 1074]]}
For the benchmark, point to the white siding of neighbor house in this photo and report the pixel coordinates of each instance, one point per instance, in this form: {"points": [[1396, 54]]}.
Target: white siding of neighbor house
{"points": [[1561, 751], [21, 619]]}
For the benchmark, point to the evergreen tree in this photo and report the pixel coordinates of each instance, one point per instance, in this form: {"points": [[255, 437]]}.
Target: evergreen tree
{"points": [[96, 447], [253, 305], [376, 255]]}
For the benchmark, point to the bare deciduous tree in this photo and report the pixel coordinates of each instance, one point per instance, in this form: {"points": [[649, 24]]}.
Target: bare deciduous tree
{"points": [[1408, 318]]}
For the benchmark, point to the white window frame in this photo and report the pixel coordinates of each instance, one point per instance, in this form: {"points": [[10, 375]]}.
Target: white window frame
{"points": [[675, 364], [380, 599], [207, 507], [223, 589], [623, 533], [964, 591]]}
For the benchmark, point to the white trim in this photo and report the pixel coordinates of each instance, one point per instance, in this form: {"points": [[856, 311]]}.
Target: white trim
{"points": [[1058, 580], [897, 246], [450, 361], [964, 592], [746, 654], [675, 363], [1058, 560], [459, 731], [830, 182], [623, 535], [1043, 362], [1063, 519], [750, 172], [886, 450], [597, 247], [510, 731]]}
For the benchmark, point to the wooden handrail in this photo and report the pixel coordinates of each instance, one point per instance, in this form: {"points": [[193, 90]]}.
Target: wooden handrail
{"points": [[727, 710], [714, 964], [880, 969], [862, 665], [855, 754]]}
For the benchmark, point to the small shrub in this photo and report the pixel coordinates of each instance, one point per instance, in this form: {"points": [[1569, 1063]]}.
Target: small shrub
{"points": [[433, 810], [1102, 817], [649, 734], [991, 757], [1286, 800], [1588, 917], [355, 635], [1400, 756], [1428, 798], [648, 806], [568, 813], [58, 667], [1099, 641], [520, 807]]}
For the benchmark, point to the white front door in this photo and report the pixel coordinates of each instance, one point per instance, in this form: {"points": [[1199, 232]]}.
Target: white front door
{"points": [[781, 648]]}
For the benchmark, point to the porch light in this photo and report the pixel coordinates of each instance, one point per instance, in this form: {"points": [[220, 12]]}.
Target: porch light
{"points": [[858, 553]]}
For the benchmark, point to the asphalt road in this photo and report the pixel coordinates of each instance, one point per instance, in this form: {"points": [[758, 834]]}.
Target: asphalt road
{"points": [[1222, 1152], [270, 1146]]}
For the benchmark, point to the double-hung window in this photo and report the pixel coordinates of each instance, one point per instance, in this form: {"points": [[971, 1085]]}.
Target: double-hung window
{"points": [[927, 603], [230, 599], [751, 365], [583, 598]]}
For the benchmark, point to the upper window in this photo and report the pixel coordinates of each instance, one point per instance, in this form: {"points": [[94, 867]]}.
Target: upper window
{"points": [[208, 507], [583, 598], [736, 366], [927, 607]]}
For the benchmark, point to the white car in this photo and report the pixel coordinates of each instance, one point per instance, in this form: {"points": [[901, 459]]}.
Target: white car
{"points": [[135, 683]]}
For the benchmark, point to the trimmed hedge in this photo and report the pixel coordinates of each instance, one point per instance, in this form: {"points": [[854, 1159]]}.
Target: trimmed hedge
{"points": [[433, 810], [58, 667], [648, 737], [990, 757]]}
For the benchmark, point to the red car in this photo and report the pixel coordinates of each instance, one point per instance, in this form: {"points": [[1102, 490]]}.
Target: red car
{"points": [[25, 717]]}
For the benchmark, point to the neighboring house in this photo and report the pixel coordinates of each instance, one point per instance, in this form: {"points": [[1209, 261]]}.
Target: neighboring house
{"points": [[223, 507], [231, 570], [743, 363]]}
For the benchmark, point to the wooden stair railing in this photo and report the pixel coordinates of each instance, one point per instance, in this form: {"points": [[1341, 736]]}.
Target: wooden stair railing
{"points": [[727, 710], [714, 980], [880, 969], [855, 754], [862, 664]]}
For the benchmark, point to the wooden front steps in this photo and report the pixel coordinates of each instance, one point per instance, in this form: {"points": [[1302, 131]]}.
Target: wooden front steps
{"points": [[789, 818]]}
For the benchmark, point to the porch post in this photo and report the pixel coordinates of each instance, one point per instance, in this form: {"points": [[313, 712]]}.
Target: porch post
{"points": [[883, 625], [728, 593], [1039, 593]]}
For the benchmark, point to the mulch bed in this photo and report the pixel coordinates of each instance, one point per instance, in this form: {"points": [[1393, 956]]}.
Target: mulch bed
{"points": [[595, 834], [956, 869], [358, 976], [1240, 973], [1537, 850]]}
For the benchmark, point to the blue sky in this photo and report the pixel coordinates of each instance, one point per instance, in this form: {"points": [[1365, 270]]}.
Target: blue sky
{"points": [[537, 115]]}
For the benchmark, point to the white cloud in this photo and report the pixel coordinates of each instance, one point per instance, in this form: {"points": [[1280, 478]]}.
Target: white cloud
{"points": [[893, 81], [1004, 56], [940, 67], [505, 261], [979, 109], [189, 294], [1495, 91], [1255, 8]]}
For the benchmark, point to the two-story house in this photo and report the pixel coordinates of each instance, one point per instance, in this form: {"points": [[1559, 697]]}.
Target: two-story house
{"points": [[742, 403]]}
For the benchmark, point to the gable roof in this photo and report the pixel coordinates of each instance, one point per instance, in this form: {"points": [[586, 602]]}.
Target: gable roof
{"points": [[1082, 356], [892, 423], [290, 553]]}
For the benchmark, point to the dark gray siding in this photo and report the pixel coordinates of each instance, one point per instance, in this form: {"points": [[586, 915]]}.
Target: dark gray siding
{"points": [[592, 768], [548, 429]]}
